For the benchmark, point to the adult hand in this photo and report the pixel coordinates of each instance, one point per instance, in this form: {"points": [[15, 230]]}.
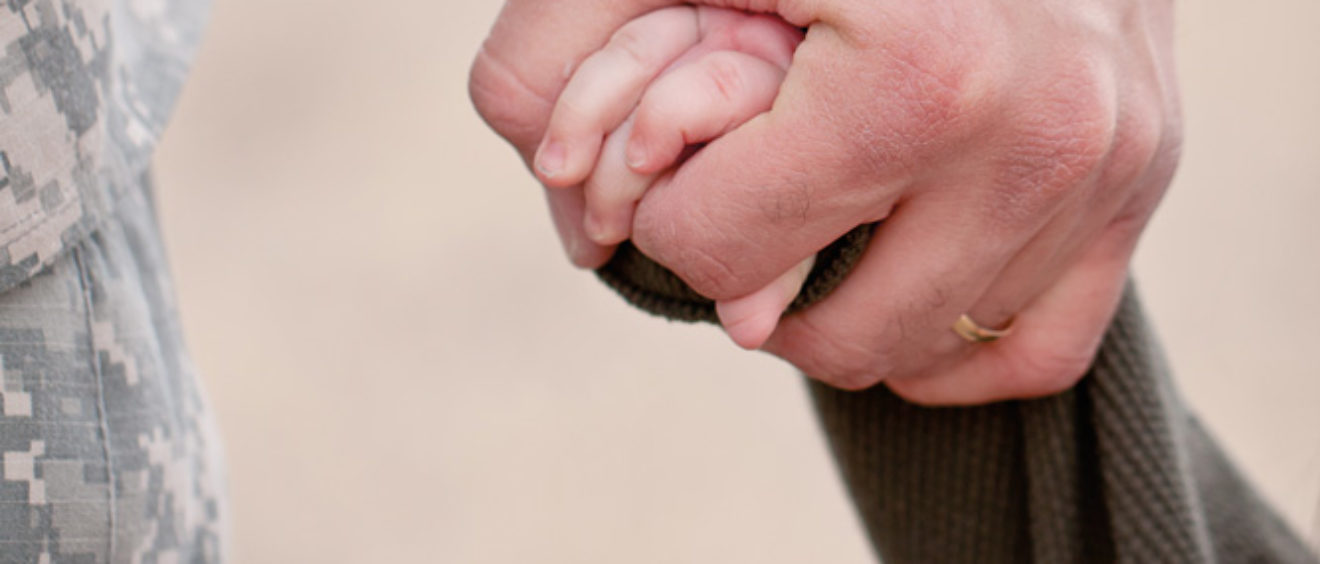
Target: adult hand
{"points": [[1015, 151]]}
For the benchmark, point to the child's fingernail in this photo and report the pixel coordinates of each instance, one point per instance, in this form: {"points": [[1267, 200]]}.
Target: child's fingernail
{"points": [[550, 161], [636, 154], [592, 226], [596, 229]]}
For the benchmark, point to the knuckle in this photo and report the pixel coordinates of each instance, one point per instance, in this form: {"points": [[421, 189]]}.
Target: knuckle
{"points": [[654, 118], [917, 392], [706, 273], [634, 47], [1138, 136], [1147, 149], [1168, 144], [726, 77], [854, 381], [1059, 144], [1169, 150], [684, 252], [951, 91], [571, 115], [511, 107], [835, 357], [847, 368], [937, 94], [1043, 373], [1074, 130], [1141, 132]]}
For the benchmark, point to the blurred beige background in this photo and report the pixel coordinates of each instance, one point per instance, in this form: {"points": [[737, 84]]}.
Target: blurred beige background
{"points": [[407, 370]]}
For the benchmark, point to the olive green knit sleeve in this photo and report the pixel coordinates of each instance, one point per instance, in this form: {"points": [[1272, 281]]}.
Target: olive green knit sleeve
{"points": [[655, 289], [1117, 469]]}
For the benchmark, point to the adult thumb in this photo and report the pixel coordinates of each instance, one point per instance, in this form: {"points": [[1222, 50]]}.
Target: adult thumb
{"points": [[752, 204]]}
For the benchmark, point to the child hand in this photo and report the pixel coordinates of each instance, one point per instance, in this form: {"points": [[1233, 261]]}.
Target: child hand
{"points": [[666, 82]]}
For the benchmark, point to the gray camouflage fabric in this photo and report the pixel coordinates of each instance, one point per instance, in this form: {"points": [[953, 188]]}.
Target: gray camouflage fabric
{"points": [[85, 89], [108, 453]]}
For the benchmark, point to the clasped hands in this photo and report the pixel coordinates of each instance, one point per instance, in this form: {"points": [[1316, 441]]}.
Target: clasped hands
{"points": [[1014, 150]]}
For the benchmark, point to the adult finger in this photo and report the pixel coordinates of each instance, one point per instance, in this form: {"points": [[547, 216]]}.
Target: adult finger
{"points": [[1038, 265], [606, 88], [695, 103], [699, 102], [782, 186], [1095, 236], [523, 66], [751, 204], [890, 316], [612, 191], [1053, 340], [1058, 327], [566, 209], [932, 261]]}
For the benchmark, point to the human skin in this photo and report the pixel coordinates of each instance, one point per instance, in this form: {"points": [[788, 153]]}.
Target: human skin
{"points": [[1015, 151], [693, 54]]}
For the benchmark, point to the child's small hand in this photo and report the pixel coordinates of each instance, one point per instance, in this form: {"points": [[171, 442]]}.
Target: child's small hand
{"points": [[666, 82]]}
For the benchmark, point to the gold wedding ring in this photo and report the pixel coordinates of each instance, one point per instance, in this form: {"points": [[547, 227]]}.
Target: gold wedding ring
{"points": [[973, 333]]}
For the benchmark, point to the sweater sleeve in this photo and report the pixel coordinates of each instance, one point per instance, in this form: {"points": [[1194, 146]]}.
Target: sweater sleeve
{"points": [[1116, 469], [656, 290]]}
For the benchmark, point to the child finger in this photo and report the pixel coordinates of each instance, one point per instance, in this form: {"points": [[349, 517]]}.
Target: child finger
{"points": [[764, 35], [613, 190], [751, 319], [606, 87], [697, 103], [566, 209]]}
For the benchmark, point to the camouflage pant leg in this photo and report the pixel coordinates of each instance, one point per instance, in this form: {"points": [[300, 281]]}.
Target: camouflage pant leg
{"points": [[109, 453]]}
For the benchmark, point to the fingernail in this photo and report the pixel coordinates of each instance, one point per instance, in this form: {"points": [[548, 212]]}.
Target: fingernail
{"points": [[636, 154], [550, 161], [595, 229]]}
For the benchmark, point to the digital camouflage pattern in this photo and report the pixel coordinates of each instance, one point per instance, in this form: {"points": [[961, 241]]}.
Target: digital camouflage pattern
{"points": [[85, 88], [107, 451]]}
